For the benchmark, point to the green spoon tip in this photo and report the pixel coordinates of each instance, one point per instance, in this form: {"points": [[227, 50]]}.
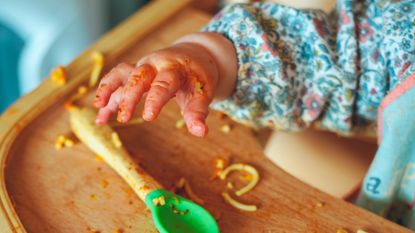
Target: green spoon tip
{"points": [[175, 214]]}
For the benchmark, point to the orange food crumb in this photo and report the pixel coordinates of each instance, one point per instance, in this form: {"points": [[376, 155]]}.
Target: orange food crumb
{"points": [[220, 164], [119, 230], [225, 128], [92, 197], [98, 158], [59, 75], [320, 204], [104, 183]]}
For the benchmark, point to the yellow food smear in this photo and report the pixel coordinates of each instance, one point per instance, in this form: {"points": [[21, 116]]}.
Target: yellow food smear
{"points": [[198, 87], [116, 140], [180, 124], [98, 59], [59, 76]]}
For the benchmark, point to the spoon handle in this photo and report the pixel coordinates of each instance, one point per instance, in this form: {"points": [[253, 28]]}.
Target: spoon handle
{"points": [[100, 140]]}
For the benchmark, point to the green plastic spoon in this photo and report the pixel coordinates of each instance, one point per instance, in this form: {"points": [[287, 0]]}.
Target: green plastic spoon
{"points": [[174, 214]]}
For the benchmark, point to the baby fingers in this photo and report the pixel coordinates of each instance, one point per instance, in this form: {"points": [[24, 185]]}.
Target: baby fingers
{"points": [[195, 112], [138, 83], [112, 107], [163, 88], [111, 82]]}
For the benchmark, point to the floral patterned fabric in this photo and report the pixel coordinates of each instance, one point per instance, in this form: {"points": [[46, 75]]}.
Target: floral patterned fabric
{"points": [[297, 66]]}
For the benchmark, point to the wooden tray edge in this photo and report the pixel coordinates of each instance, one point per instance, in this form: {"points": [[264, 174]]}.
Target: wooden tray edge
{"points": [[27, 108]]}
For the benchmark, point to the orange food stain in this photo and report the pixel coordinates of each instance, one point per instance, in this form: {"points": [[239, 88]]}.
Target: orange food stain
{"points": [[104, 183]]}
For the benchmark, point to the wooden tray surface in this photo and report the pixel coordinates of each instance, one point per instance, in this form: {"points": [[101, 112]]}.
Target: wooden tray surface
{"points": [[70, 191]]}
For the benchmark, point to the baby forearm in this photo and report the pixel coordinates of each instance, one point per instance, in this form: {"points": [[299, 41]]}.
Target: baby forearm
{"points": [[224, 55]]}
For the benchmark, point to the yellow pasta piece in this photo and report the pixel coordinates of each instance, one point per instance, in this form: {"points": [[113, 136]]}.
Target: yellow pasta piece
{"points": [[242, 167], [237, 204]]}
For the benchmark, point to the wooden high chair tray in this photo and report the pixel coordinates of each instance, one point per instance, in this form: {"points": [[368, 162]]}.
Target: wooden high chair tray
{"points": [[45, 190]]}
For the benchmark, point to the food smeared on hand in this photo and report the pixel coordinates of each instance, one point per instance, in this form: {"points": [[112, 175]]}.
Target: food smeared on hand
{"points": [[59, 75], [134, 121], [98, 59]]}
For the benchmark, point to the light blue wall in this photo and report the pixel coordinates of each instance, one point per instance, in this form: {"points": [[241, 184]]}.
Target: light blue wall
{"points": [[10, 47], [65, 34]]}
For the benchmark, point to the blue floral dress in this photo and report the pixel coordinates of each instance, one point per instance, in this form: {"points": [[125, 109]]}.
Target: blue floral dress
{"points": [[299, 67]]}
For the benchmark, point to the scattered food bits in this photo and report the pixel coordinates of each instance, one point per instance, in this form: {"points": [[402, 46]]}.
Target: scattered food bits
{"points": [[98, 59], [98, 158], [361, 231], [183, 184], [225, 128], [92, 197], [237, 204], [143, 188], [159, 201], [69, 143], [82, 90], [320, 204], [116, 140], [242, 167], [68, 105], [176, 211], [342, 231], [180, 124], [63, 141], [229, 185], [104, 183], [59, 76], [220, 164]]}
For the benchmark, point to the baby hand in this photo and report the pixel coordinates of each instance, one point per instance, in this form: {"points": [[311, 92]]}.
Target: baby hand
{"points": [[185, 71]]}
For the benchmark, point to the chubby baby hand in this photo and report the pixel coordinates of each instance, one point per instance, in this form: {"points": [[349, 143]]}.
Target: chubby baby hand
{"points": [[185, 71]]}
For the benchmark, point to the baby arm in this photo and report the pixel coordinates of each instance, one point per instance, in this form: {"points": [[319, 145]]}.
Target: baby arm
{"points": [[196, 69]]}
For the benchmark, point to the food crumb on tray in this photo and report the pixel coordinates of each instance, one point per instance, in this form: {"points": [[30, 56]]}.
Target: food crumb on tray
{"points": [[59, 75]]}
